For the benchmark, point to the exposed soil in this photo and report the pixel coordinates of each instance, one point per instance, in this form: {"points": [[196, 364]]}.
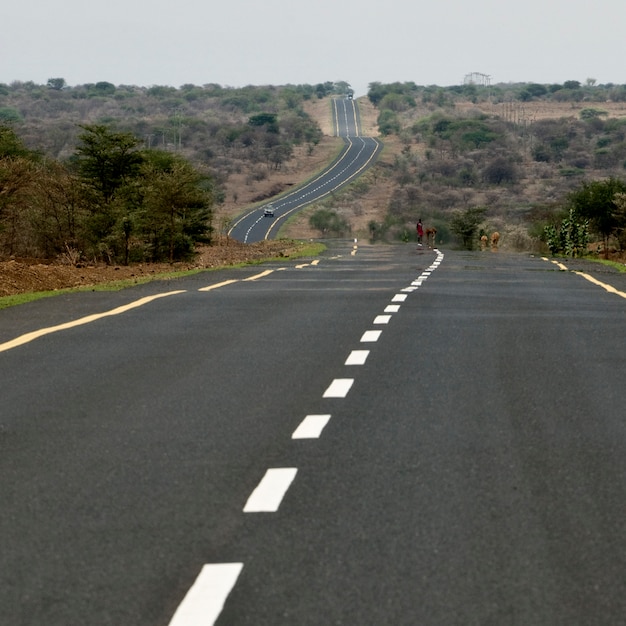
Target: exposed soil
{"points": [[20, 276]]}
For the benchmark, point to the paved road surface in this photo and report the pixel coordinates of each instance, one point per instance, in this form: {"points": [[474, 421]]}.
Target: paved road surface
{"points": [[459, 453]]}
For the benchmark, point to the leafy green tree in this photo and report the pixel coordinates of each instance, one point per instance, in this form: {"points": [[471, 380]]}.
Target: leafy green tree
{"points": [[9, 115], [596, 202], [499, 171], [464, 224], [388, 122], [328, 222], [269, 120], [17, 176], [11, 145], [56, 83], [175, 211], [107, 159]]}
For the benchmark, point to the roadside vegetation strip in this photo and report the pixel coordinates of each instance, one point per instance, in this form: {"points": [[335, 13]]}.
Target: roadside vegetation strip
{"points": [[28, 337]]}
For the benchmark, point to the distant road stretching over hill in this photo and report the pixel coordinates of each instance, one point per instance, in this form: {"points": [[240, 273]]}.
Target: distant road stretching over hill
{"points": [[357, 156]]}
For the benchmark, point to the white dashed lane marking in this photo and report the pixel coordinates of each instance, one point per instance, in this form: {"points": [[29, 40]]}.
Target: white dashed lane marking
{"points": [[339, 388], [371, 336], [357, 357], [205, 600], [269, 493], [206, 597], [311, 427], [382, 319]]}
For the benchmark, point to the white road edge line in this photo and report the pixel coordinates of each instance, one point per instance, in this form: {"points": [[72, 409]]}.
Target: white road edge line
{"points": [[206, 597], [311, 427], [269, 493], [339, 388]]}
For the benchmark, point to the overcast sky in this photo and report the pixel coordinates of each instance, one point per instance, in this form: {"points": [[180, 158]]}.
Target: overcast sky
{"points": [[250, 42]]}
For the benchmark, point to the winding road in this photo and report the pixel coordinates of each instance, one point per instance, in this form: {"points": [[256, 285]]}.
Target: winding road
{"points": [[358, 154]]}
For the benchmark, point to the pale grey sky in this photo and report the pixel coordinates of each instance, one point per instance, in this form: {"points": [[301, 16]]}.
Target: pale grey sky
{"points": [[246, 42]]}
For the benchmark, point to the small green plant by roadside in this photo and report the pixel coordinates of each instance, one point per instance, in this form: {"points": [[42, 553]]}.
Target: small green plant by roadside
{"points": [[571, 238]]}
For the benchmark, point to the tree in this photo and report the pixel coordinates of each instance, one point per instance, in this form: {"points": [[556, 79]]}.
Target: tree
{"points": [[596, 202], [17, 177], [464, 225], [499, 171], [12, 146], [328, 221], [107, 159], [176, 205], [269, 120], [56, 83]]}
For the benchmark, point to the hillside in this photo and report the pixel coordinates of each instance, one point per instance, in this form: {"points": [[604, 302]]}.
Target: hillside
{"points": [[515, 151]]}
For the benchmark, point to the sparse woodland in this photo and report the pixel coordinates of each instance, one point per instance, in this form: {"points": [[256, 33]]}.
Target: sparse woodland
{"points": [[522, 156], [125, 173]]}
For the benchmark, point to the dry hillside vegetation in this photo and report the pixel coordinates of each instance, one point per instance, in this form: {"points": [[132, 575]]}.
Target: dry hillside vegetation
{"points": [[380, 189]]}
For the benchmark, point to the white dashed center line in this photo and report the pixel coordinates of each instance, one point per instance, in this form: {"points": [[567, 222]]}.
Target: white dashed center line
{"points": [[269, 493], [311, 427], [357, 357], [339, 388], [382, 319], [205, 600], [206, 597], [371, 336]]}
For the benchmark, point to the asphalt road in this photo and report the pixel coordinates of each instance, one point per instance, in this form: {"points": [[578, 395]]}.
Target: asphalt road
{"points": [[459, 453], [358, 154]]}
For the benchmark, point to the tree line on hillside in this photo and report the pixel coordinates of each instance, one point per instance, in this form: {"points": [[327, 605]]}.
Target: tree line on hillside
{"points": [[111, 201], [126, 173]]}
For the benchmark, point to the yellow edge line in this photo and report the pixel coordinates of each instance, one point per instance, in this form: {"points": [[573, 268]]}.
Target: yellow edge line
{"points": [[218, 285], [595, 281], [28, 337], [257, 276], [591, 279]]}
